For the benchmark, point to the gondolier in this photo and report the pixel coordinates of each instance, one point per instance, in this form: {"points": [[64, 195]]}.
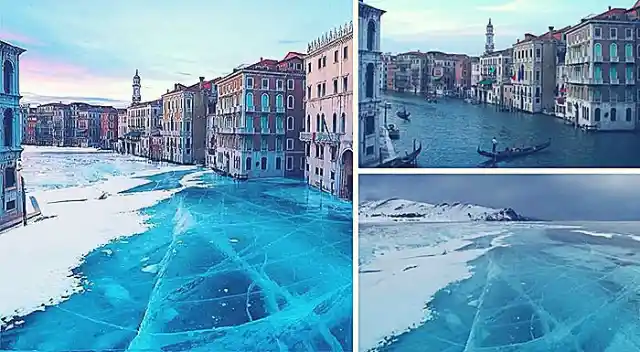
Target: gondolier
{"points": [[494, 141]]}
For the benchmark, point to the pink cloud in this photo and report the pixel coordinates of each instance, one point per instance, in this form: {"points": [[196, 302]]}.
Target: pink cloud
{"points": [[17, 37], [34, 65]]}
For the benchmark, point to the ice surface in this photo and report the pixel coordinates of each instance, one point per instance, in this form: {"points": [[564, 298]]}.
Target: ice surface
{"points": [[500, 287], [182, 261]]}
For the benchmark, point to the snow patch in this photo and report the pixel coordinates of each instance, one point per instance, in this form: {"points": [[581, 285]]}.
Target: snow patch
{"points": [[60, 243]]}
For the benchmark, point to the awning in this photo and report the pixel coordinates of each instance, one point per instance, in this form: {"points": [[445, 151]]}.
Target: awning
{"points": [[486, 81]]}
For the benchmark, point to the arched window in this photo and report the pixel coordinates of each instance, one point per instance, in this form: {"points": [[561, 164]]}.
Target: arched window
{"points": [[7, 74], [290, 102], [279, 101], [290, 123], [369, 81], [371, 35], [264, 102], [249, 99], [308, 129], [613, 114], [247, 164], [334, 123], [343, 123], [263, 163], [323, 122], [597, 49], [318, 123], [629, 114], [613, 50], [628, 50], [7, 123]]}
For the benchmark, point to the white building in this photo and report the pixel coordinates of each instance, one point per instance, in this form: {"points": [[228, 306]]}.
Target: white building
{"points": [[369, 70], [328, 135], [11, 194], [142, 119]]}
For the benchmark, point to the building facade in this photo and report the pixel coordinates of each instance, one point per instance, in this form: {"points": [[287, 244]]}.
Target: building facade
{"points": [[495, 69], [259, 117], [328, 132], [369, 91], [601, 71], [12, 188], [142, 119], [411, 70]]}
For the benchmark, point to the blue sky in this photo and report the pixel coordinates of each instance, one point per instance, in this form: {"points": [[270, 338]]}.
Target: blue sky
{"points": [[549, 197], [89, 50], [458, 26]]}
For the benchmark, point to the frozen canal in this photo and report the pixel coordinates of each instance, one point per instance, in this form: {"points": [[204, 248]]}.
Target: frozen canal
{"points": [[174, 259]]}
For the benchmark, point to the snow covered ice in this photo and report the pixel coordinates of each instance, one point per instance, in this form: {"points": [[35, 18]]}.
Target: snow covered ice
{"points": [[449, 284], [175, 259]]}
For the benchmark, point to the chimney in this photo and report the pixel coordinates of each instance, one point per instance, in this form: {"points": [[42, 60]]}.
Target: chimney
{"points": [[167, 90], [175, 86], [201, 82], [550, 28], [609, 8]]}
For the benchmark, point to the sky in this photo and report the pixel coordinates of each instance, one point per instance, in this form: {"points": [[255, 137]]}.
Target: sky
{"points": [[89, 50], [547, 197], [458, 26]]}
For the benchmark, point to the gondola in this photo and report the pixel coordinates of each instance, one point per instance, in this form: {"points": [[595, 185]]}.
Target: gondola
{"points": [[406, 161], [403, 115], [394, 132], [513, 153]]}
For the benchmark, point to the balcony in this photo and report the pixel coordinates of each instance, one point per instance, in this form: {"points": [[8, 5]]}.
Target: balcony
{"points": [[320, 137], [614, 59], [211, 151], [265, 109], [614, 81], [306, 136], [630, 59], [280, 109], [226, 130], [278, 130], [250, 108], [598, 58], [630, 81], [598, 80]]}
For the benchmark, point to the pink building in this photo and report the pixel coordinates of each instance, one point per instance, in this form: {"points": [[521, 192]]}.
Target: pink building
{"points": [[462, 70], [259, 114], [328, 133]]}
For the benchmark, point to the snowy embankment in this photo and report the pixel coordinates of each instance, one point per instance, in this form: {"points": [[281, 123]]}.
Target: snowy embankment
{"points": [[400, 210], [36, 261], [411, 263]]}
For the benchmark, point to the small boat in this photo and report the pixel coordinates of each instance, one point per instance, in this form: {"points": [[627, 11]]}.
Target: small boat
{"points": [[407, 161], [512, 153], [394, 132], [404, 114]]}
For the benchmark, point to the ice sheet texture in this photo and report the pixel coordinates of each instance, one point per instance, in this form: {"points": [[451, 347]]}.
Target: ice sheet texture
{"points": [[217, 266], [500, 287]]}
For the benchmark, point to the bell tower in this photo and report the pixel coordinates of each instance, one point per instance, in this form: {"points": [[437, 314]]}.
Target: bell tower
{"points": [[136, 98], [489, 46]]}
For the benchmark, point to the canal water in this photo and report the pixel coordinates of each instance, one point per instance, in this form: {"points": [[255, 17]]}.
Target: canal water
{"points": [[451, 131]]}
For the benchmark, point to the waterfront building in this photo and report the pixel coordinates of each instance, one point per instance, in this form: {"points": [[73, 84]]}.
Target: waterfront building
{"points": [[328, 133], [534, 72], [12, 188], [476, 76], [462, 75], [369, 91], [441, 72], [561, 77], [122, 129], [495, 70], [254, 104], [211, 124], [29, 124], [411, 70], [388, 66], [601, 71], [142, 119], [184, 123]]}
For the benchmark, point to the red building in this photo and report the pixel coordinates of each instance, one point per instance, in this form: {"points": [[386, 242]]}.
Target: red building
{"points": [[462, 70], [108, 127]]}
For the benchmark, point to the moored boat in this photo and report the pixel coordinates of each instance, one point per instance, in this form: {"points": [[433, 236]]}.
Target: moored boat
{"points": [[394, 132]]}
